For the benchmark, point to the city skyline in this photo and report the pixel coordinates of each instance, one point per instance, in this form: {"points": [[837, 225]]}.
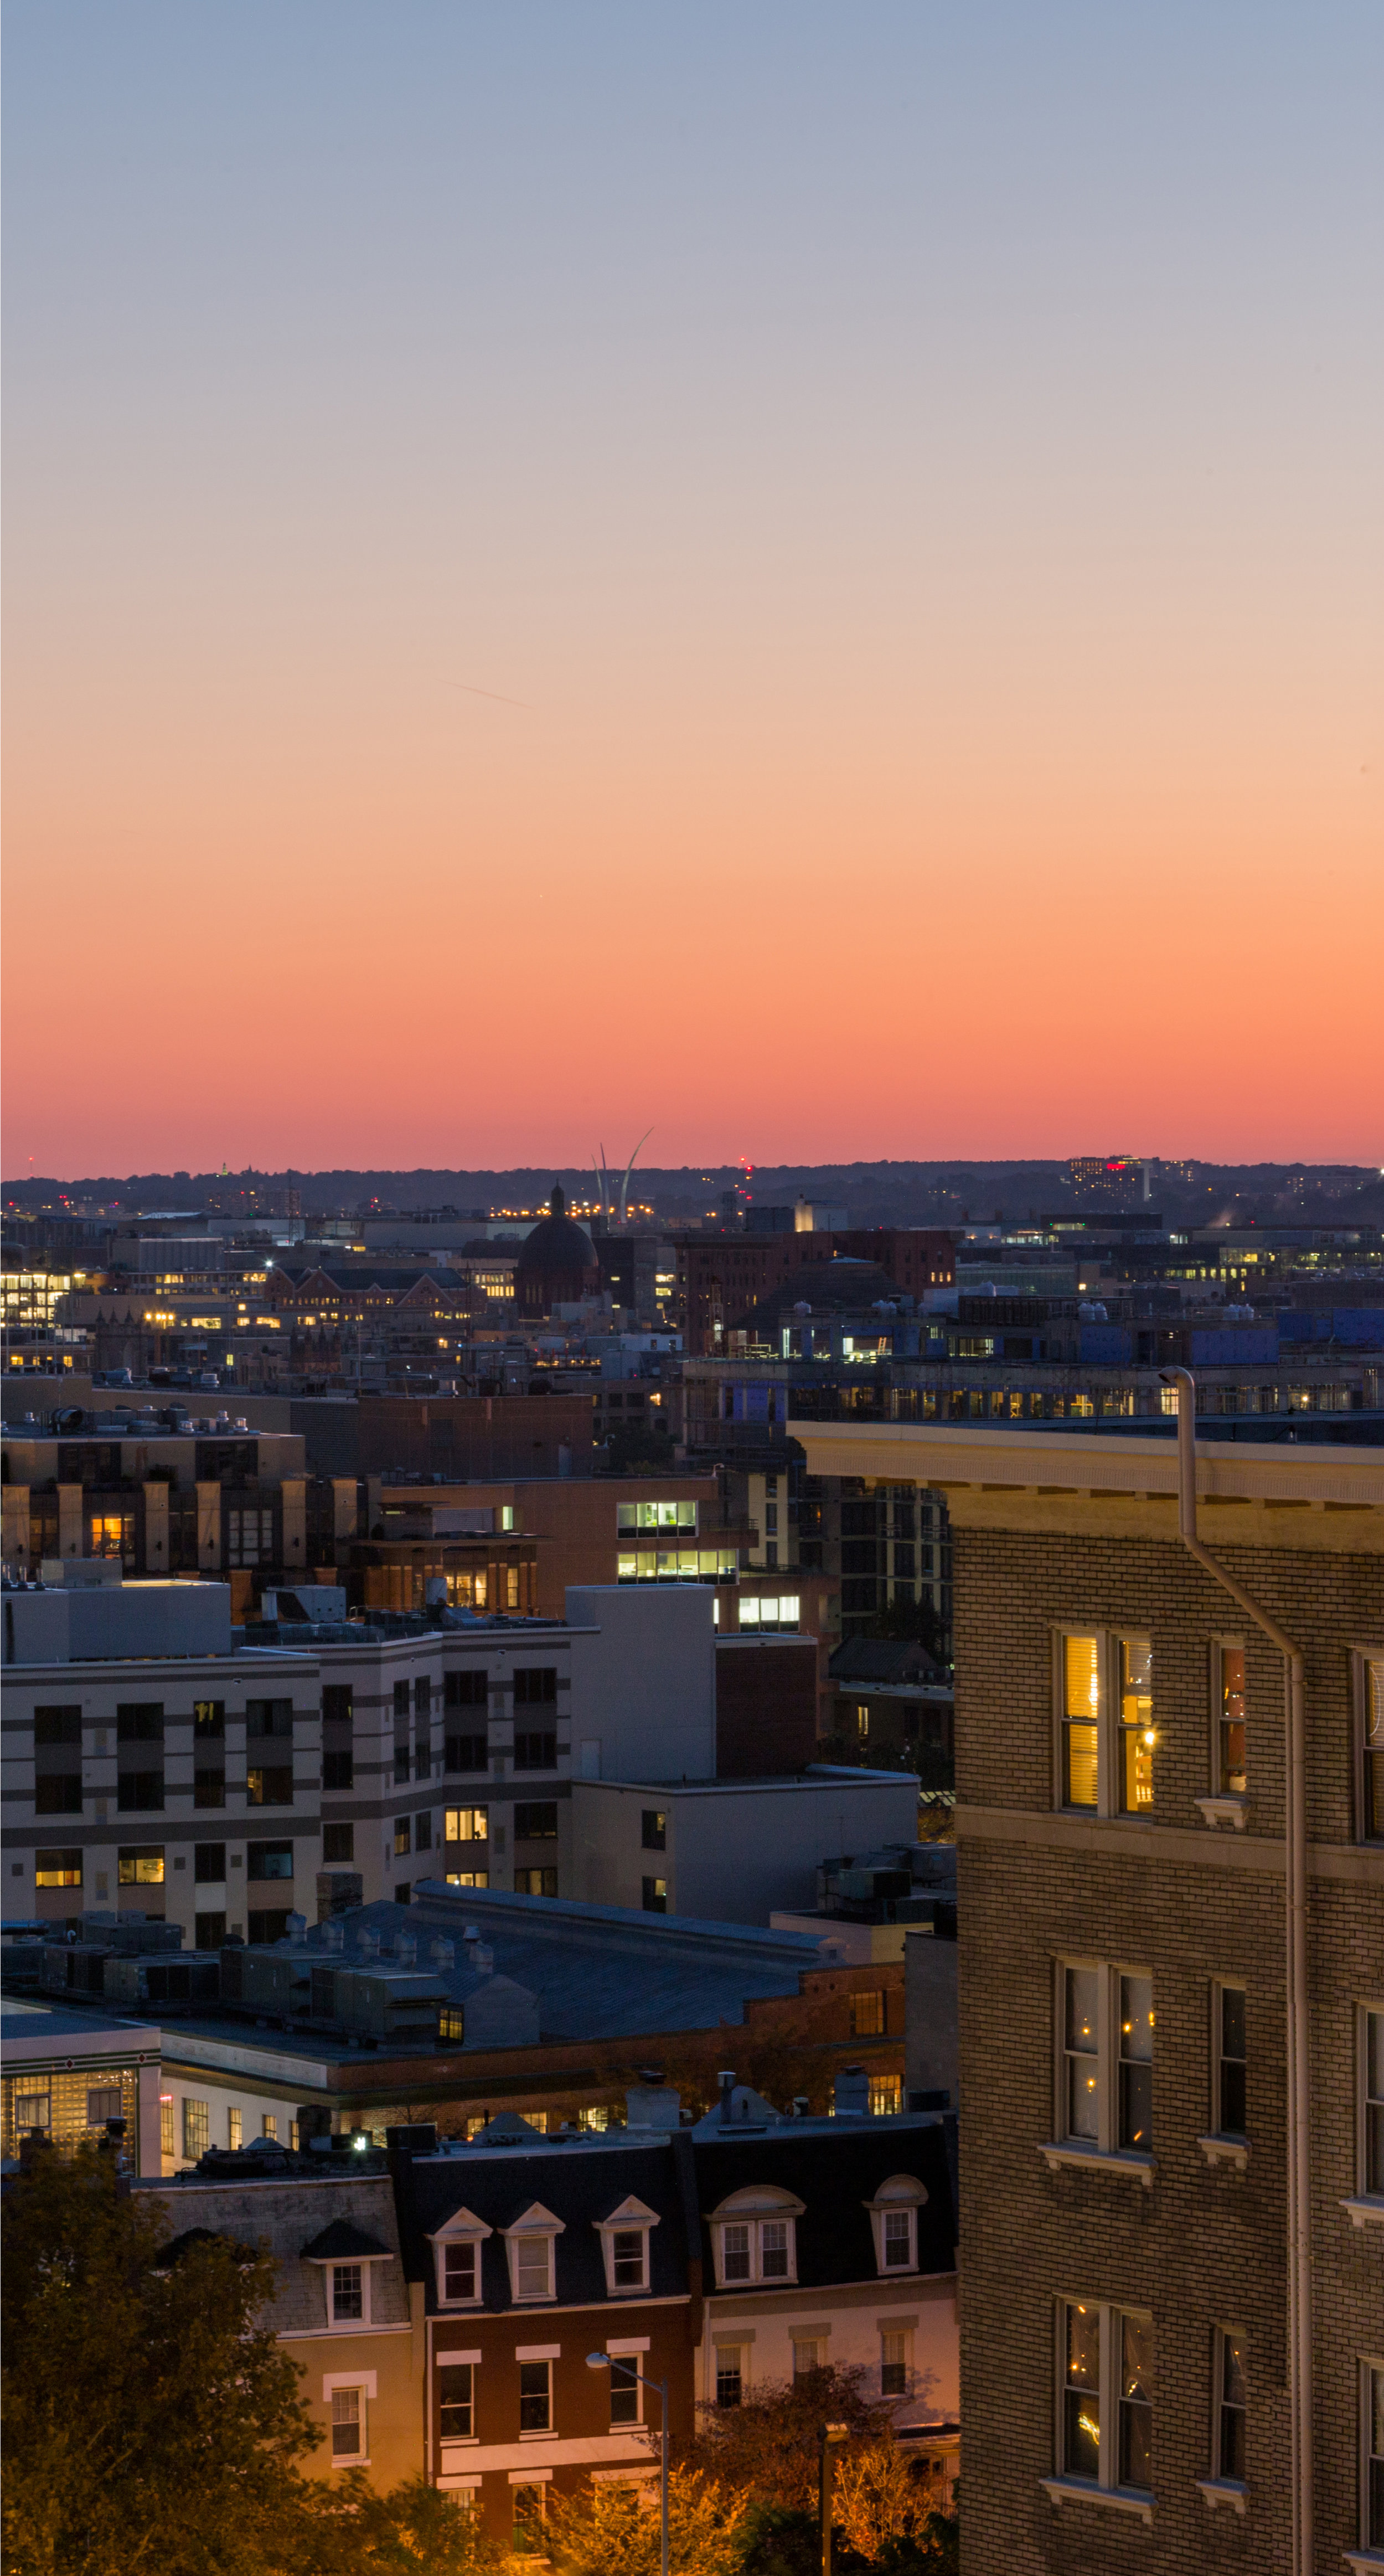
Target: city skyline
{"points": [[530, 532]]}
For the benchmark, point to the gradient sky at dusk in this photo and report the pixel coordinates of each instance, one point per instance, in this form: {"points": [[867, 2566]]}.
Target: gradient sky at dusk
{"points": [[808, 574]]}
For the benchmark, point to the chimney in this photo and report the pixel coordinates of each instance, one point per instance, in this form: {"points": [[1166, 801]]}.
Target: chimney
{"points": [[852, 2093], [726, 2080]]}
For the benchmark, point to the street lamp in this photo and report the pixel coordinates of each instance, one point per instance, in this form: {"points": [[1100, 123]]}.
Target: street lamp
{"points": [[602, 2361], [832, 2437]]}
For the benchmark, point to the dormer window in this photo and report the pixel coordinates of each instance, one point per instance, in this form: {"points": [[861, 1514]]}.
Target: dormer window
{"points": [[531, 2246], [350, 2298], [754, 2235], [346, 2258], [894, 2219], [457, 2254], [625, 2246]]}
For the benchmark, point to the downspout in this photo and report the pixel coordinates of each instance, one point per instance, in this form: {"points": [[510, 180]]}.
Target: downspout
{"points": [[1298, 2065]]}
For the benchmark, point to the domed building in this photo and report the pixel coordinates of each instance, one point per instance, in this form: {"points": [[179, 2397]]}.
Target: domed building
{"points": [[557, 1262]]}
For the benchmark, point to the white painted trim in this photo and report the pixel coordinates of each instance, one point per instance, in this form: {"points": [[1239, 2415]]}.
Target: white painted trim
{"points": [[1082, 2491], [1228, 2151], [1057, 2152], [537, 2352], [1230, 2491], [619, 2345], [1232, 1809], [365, 2379]]}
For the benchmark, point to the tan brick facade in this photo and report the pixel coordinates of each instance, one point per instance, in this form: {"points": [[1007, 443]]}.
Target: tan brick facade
{"points": [[1172, 1897]]}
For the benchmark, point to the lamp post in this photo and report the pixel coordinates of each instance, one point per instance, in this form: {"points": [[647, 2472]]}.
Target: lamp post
{"points": [[832, 2436], [602, 2361]]}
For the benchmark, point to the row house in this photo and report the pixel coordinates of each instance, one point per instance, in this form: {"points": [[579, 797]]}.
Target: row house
{"points": [[444, 2305]]}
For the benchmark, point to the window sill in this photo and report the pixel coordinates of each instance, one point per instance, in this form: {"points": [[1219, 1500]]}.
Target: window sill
{"points": [[1226, 2151], [1081, 2491], [1230, 1810], [551, 2435], [1365, 2562], [1057, 2152], [1231, 2491], [357, 2460], [1366, 2211]]}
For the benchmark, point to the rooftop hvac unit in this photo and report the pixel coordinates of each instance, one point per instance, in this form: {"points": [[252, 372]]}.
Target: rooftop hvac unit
{"points": [[192, 1978]]}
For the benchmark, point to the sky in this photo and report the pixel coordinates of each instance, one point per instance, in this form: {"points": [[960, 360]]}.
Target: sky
{"points": [[805, 574]]}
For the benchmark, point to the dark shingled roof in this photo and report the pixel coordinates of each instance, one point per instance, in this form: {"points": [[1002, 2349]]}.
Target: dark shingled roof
{"points": [[884, 1659], [342, 2242], [581, 2184], [834, 2174]]}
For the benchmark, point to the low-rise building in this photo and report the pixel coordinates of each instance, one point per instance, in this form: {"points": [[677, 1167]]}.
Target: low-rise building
{"points": [[342, 2305], [831, 2242], [68, 2073]]}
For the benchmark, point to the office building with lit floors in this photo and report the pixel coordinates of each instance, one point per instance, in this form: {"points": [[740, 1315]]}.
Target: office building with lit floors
{"points": [[1170, 1829]]}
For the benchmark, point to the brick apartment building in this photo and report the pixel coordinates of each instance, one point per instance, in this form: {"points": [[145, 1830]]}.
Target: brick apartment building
{"points": [[1147, 2378], [721, 1275]]}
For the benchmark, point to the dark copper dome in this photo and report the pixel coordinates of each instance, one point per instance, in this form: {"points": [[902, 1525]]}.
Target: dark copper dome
{"points": [[557, 1262]]}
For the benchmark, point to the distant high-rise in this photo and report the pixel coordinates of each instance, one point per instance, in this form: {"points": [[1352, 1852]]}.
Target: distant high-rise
{"points": [[1111, 1180]]}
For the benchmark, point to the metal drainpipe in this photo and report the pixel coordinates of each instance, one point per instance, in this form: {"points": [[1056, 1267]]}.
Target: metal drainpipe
{"points": [[1298, 2067]]}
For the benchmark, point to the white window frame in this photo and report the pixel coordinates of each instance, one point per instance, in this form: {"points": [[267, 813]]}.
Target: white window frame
{"points": [[633, 2217], [901, 2193], [630, 2348], [758, 2207], [348, 2263], [462, 2228], [1104, 2153], [1365, 2208], [1108, 1727], [329, 2266], [1067, 2485], [1370, 2554], [897, 2396], [366, 2382], [532, 2355], [1361, 1659], [536, 2225], [448, 2443]]}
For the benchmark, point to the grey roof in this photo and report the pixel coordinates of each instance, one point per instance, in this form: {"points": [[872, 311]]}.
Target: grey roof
{"points": [[598, 1971], [287, 2218], [602, 1972]]}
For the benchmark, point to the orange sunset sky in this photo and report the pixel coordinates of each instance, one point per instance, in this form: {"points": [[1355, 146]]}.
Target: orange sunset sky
{"points": [[810, 576]]}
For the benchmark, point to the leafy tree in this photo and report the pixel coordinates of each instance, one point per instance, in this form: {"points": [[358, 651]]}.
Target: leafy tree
{"points": [[638, 1448], [415, 2530], [769, 2443], [879, 2497], [611, 2527], [150, 2421]]}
